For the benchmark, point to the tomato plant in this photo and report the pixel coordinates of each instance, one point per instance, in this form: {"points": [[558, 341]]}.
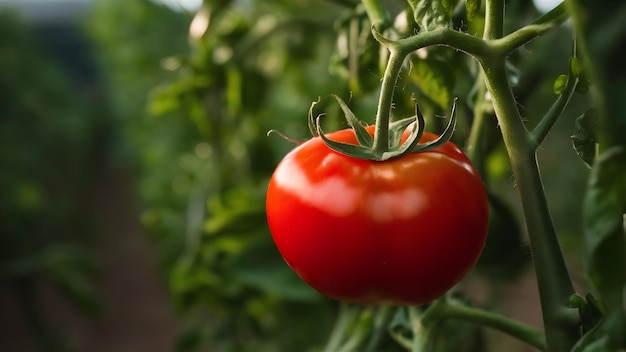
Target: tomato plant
{"points": [[399, 231], [249, 62]]}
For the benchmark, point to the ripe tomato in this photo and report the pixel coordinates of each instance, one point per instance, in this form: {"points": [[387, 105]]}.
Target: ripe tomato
{"points": [[401, 231]]}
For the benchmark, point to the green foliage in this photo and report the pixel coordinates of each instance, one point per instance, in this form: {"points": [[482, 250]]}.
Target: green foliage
{"points": [[585, 138], [435, 79], [504, 254], [605, 204], [47, 136], [473, 8], [431, 14], [196, 114]]}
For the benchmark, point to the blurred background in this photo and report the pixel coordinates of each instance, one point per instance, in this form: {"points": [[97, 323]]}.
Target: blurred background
{"points": [[134, 161]]}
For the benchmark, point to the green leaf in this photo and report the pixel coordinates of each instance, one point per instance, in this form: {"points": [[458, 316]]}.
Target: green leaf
{"points": [[448, 6], [505, 254], [262, 267], [604, 234], [429, 14], [473, 8], [434, 78], [585, 136], [559, 84]]}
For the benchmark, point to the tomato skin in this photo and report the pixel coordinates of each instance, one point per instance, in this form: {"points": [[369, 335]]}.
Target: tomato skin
{"points": [[401, 231]]}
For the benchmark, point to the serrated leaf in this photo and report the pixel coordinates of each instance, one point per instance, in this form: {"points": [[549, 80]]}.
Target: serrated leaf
{"points": [[559, 84], [473, 8], [448, 6], [434, 79], [584, 138], [429, 14]]}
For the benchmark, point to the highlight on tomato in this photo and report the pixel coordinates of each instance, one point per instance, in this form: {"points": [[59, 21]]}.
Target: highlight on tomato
{"points": [[400, 231]]}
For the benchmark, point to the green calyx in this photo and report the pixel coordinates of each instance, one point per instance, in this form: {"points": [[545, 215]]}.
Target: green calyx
{"points": [[395, 148]]}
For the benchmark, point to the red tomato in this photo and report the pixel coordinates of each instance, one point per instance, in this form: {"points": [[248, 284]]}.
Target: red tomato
{"points": [[401, 231]]}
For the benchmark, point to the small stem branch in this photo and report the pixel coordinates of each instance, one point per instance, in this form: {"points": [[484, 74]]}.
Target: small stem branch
{"points": [[338, 334], [494, 19], [553, 280], [549, 119], [514, 328], [543, 24], [378, 14], [381, 321], [420, 332]]}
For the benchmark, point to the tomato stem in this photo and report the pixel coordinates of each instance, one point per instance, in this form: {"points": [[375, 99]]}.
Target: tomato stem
{"points": [[553, 280], [491, 51], [383, 114]]}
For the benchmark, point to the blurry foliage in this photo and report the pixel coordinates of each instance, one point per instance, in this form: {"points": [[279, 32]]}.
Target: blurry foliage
{"points": [[47, 137], [204, 158]]}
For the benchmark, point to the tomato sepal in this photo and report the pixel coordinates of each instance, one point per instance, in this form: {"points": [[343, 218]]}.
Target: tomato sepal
{"points": [[395, 149]]}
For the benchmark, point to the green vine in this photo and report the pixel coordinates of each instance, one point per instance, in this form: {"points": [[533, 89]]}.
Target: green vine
{"points": [[491, 51]]}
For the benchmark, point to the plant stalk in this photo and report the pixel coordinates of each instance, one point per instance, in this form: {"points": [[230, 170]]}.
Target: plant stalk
{"points": [[553, 280], [383, 113]]}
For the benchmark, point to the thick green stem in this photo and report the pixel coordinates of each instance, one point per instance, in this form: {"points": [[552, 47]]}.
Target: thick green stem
{"points": [[383, 114], [553, 280]]}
